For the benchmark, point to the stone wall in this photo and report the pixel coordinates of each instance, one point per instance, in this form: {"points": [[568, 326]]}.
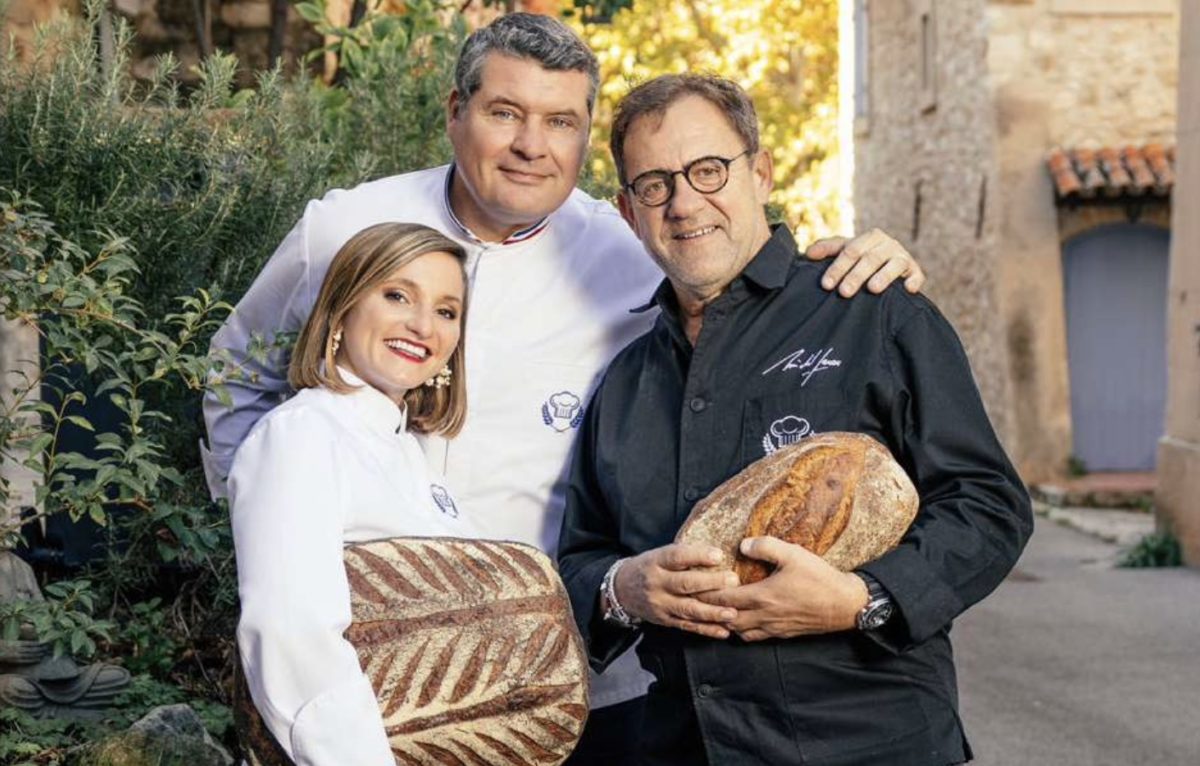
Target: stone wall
{"points": [[1063, 73], [20, 19], [925, 171], [1178, 496], [242, 28], [1100, 72], [964, 184]]}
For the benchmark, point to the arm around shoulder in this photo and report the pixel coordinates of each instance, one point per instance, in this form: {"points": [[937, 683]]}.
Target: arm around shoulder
{"points": [[249, 376]]}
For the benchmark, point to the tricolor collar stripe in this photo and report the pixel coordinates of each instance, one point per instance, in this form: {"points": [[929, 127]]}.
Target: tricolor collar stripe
{"points": [[526, 233], [521, 235]]}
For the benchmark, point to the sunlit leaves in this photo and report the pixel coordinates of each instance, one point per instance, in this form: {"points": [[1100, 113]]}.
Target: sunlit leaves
{"points": [[784, 52]]}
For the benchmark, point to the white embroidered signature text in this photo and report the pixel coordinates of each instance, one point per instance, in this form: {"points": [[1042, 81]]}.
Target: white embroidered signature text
{"points": [[808, 364]]}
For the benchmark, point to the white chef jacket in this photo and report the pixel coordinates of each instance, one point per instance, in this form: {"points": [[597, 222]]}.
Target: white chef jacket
{"points": [[321, 470], [549, 308]]}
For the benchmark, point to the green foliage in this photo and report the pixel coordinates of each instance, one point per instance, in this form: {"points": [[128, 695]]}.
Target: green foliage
{"points": [[164, 543], [29, 741], [1076, 467], [387, 115], [149, 646], [131, 217], [202, 188], [146, 693], [64, 620], [79, 301], [783, 52], [1154, 550]]}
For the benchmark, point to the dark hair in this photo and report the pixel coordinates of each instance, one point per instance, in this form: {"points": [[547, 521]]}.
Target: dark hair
{"points": [[654, 96], [366, 261], [546, 40]]}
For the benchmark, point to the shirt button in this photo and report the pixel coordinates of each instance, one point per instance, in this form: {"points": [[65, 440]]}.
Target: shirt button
{"points": [[698, 404], [691, 494], [703, 691]]}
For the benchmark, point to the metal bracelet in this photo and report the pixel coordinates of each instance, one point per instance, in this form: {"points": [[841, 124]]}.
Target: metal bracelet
{"points": [[613, 611]]}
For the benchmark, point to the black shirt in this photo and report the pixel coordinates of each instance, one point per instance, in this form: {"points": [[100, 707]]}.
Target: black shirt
{"points": [[778, 358]]}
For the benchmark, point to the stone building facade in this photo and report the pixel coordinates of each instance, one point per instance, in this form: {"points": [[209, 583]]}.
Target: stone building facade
{"points": [[960, 105], [186, 28], [1178, 497], [189, 29]]}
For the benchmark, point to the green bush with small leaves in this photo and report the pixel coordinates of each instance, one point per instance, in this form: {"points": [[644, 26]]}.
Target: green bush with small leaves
{"points": [[1160, 549], [132, 216]]}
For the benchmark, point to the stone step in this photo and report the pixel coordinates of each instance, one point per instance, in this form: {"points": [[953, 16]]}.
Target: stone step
{"points": [[1121, 527], [1134, 491]]}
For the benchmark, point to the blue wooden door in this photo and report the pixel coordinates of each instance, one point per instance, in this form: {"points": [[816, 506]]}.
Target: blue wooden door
{"points": [[1115, 279]]}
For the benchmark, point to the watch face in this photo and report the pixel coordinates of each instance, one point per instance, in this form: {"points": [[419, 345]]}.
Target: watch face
{"points": [[874, 617]]}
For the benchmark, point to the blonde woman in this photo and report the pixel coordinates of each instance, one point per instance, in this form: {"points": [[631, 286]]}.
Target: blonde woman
{"points": [[379, 358]]}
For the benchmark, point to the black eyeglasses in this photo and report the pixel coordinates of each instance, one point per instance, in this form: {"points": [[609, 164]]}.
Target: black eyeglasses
{"points": [[706, 175]]}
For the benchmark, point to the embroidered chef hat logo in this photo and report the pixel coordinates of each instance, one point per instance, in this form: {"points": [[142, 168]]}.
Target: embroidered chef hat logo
{"points": [[562, 411], [444, 502], [787, 430]]}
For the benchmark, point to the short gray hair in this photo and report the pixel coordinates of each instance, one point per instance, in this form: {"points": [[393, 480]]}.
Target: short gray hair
{"points": [[546, 40], [654, 96]]}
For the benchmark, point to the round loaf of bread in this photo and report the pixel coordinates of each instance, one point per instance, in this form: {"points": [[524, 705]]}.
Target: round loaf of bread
{"points": [[840, 495], [471, 648]]}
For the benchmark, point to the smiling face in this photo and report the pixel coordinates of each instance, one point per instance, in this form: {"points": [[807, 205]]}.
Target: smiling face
{"points": [[402, 331], [701, 241], [519, 142]]}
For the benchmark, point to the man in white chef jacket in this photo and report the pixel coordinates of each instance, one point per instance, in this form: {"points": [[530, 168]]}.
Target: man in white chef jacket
{"points": [[553, 276]]}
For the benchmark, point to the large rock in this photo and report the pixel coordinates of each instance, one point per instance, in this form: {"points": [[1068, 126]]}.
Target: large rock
{"points": [[171, 735]]}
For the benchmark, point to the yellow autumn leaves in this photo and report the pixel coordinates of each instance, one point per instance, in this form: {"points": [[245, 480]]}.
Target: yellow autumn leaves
{"points": [[784, 52]]}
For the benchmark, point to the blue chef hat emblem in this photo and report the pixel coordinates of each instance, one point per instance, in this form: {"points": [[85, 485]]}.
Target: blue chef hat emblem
{"points": [[562, 411]]}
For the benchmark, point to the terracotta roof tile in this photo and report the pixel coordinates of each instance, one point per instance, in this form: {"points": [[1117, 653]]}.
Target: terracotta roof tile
{"points": [[1111, 172]]}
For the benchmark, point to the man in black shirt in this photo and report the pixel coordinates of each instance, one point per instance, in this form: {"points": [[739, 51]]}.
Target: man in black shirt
{"points": [[811, 665]]}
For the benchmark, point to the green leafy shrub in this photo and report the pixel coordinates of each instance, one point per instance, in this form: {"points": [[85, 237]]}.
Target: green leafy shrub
{"points": [[64, 620], [79, 300], [1154, 550], [387, 115], [131, 217], [29, 741]]}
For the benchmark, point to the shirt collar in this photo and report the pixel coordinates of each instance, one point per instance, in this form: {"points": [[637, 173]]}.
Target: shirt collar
{"points": [[521, 235], [376, 410], [768, 269]]}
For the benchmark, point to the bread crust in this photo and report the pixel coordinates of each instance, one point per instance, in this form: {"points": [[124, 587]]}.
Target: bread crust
{"points": [[841, 495], [471, 648]]}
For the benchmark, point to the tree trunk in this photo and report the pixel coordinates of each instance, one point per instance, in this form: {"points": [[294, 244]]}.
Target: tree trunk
{"points": [[279, 18], [357, 12], [202, 16]]}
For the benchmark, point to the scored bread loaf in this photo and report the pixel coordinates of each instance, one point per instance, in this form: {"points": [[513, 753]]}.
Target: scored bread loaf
{"points": [[471, 649], [840, 495]]}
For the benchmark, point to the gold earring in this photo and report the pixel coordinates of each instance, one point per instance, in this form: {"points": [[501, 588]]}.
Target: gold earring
{"points": [[441, 380], [337, 340]]}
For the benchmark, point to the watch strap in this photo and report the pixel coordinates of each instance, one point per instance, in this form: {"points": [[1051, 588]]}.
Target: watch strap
{"points": [[879, 607]]}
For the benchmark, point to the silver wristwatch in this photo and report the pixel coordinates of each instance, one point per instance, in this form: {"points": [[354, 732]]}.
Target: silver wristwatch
{"points": [[613, 611], [879, 606]]}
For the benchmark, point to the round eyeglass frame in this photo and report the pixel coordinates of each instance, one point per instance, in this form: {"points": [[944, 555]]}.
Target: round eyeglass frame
{"points": [[668, 177]]}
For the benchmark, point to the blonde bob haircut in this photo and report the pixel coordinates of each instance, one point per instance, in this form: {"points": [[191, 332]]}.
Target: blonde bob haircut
{"points": [[365, 262]]}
